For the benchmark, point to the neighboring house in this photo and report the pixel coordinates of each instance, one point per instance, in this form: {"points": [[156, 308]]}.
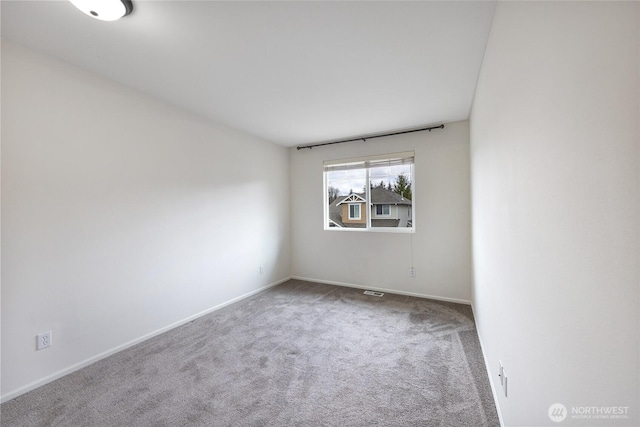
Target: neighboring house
{"points": [[388, 209]]}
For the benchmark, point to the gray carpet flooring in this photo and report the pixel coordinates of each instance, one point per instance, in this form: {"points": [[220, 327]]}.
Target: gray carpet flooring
{"points": [[298, 354]]}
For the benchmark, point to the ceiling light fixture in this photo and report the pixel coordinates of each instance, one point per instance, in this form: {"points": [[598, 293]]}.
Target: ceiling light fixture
{"points": [[105, 10]]}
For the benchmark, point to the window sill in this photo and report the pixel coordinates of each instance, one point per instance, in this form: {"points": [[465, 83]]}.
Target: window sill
{"points": [[399, 230]]}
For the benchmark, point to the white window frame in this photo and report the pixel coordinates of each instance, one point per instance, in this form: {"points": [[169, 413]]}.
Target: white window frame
{"points": [[365, 161]]}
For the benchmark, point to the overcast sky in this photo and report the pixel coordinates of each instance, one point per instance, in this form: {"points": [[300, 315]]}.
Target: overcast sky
{"points": [[355, 179]]}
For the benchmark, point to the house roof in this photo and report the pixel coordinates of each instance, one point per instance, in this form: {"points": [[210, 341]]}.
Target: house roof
{"points": [[379, 196], [335, 211], [353, 197], [384, 223], [382, 196]]}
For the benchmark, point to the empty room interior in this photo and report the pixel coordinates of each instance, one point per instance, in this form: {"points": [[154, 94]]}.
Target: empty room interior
{"points": [[195, 196]]}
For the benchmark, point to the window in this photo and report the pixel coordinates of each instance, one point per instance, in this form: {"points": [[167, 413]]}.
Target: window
{"points": [[370, 193], [382, 210], [354, 211]]}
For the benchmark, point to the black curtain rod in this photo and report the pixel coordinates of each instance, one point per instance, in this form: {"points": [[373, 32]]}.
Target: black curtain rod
{"points": [[364, 138]]}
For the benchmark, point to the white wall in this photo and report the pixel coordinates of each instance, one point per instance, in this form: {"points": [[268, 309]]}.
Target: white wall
{"points": [[122, 215], [555, 173], [441, 243]]}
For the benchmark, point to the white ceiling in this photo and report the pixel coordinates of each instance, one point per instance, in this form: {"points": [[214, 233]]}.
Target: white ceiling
{"points": [[288, 72]]}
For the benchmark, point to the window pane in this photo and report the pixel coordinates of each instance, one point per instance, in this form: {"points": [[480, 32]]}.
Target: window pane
{"points": [[391, 195], [346, 193], [354, 211]]}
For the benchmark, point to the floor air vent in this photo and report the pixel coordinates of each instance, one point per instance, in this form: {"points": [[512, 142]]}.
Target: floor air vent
{"points": [[374, 293]]}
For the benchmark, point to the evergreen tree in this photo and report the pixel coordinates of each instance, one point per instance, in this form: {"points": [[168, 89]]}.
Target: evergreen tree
{"points": [[402, 186]]}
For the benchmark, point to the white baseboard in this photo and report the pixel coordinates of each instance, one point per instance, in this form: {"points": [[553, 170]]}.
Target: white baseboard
{"points": [[489, 370], [391, 291], [66, 371]]}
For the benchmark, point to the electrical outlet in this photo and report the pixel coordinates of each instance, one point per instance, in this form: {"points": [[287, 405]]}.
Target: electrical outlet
{"points": [[412, 272], [43, 340], [261, 270]]}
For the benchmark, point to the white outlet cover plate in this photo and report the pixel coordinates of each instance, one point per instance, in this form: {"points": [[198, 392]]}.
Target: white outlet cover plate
{"points": [[43, 340]]}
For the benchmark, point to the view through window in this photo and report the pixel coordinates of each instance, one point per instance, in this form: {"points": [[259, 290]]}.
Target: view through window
{"points": [[370, 193]]}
